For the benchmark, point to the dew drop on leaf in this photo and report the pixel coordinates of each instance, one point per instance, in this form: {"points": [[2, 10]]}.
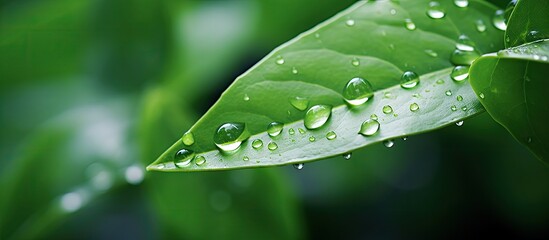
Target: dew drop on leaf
{"points": [[183, 157], [188, 138], [481, 27], [464, 108], [414, 107], [454, 108], [448, 93], [431, 53], [301, 130], [459, 124], [460, 73], [274, 128], [246, 158], [435, 11], [298, 166], [499, 20], [409, 80], [460, 57], [317, 116], [229, 136], [534, 36], [350, 22], [387, 109], [347, 156], [373, 116], [199, 160], [312, 139], [355, 62], [461, 3], [357, 91], [291, 131], [246, 97], [300, 103], [459, 98], [257, 144], [272, 146], [331, 135], [294, 70], [369, 127], [440, 81], [481, 95], [464, 43], [409, 24], [389, 143]]}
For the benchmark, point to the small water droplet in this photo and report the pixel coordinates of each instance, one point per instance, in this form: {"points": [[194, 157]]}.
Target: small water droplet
{"points": [[274, 128], [387, 109], [409, 24], [279, 60], [317, 116], [448, 92], [229, 136], [301, 130], [409, 80], [459, 124], [393, 11], [188, 138], [533, 36], [350, 22], [199, 160], [387, 95], [499, 20], [414, 107], [312, 139], [183, 157], [404, 138], [357, 91], [298, 166], [461, 3], [459, 98], [257, 143], [464, 108], [369, 127], [431, 52], [440, 81], [291, 131], [347, 156], [389, 143], [355, 62], [460, 73], [331, 135], [245, 158], [272, 146], [246, 97], [373, 116], [454, 108], [481, 95], [294, 70], [464, 43], [416, 95], [300, 103], [529, 140], [481, 27], [460, 57], [435, 11]]}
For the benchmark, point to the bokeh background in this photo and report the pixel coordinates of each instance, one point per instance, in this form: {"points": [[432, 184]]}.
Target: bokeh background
{"points": [[93, 91]]}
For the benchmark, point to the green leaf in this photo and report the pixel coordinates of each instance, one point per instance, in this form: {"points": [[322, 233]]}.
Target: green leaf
{"points": [[528, 23], [368, 40], [512, 85]]}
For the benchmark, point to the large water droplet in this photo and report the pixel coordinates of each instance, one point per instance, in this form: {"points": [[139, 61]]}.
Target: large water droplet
{"points": [[357, 91], [414, 107], [274, 128], [272, 146], [369, 127], [461, 3], [499, 20], [229, 136], [347, 156], [460, 57], [459, 124], [355, 62], [188, 138], [331, 135], [350, 22], [387, 109], [298, 166], [389, 143], [317, 116], [481, 27], [409, 24], [460, 73], [183, 157], [435, 11], [199, 160], [257, 143], [300, 103], [464, 43], [409, 80]]}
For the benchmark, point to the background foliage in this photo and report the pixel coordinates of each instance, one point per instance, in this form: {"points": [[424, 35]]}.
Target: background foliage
{"points": [[91, 91]]}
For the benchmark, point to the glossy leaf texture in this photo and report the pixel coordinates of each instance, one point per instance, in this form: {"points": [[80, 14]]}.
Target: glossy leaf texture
{"points": [[374, 41], [512, 87], [528, 22]]}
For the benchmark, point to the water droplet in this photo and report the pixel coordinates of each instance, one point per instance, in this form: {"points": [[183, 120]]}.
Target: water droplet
{"points": [[481, 95], [301, 130], [317, 35], [416, 95], [461, 3], [409, 24], [245, 158], [331, 135], [199, 160], [435, 11], [387, 109], [317, 116], [188, 138], [409, 80], [460, 57], [499, 20], [459, 98], [229, 136], [183, 157], [464, 43], [312, 139], [431, 53], [246, 97], [533, 36], [291, 131], [279, 60], [389, 143], [404, 138], [294, 70], [393, 11], [440, 81], [355, 62], [529, 140], [414, 107], [300, 103], [350, 22], [257, 143], [373, 116], [298, 166], [272, 146], [454, 108], [460, 73], [369, 127], [464, 108], [357, 91], [459, 124], [347, 156], [448, 92], [481, 27], [274, 128], [387, 95]]}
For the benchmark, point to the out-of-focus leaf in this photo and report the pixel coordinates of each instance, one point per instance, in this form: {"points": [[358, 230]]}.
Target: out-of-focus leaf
{"points": [[528, 22], [511, 85], [369, 40]]}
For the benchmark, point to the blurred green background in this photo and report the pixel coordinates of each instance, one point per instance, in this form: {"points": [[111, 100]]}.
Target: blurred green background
{"points": [[93, 91]]}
